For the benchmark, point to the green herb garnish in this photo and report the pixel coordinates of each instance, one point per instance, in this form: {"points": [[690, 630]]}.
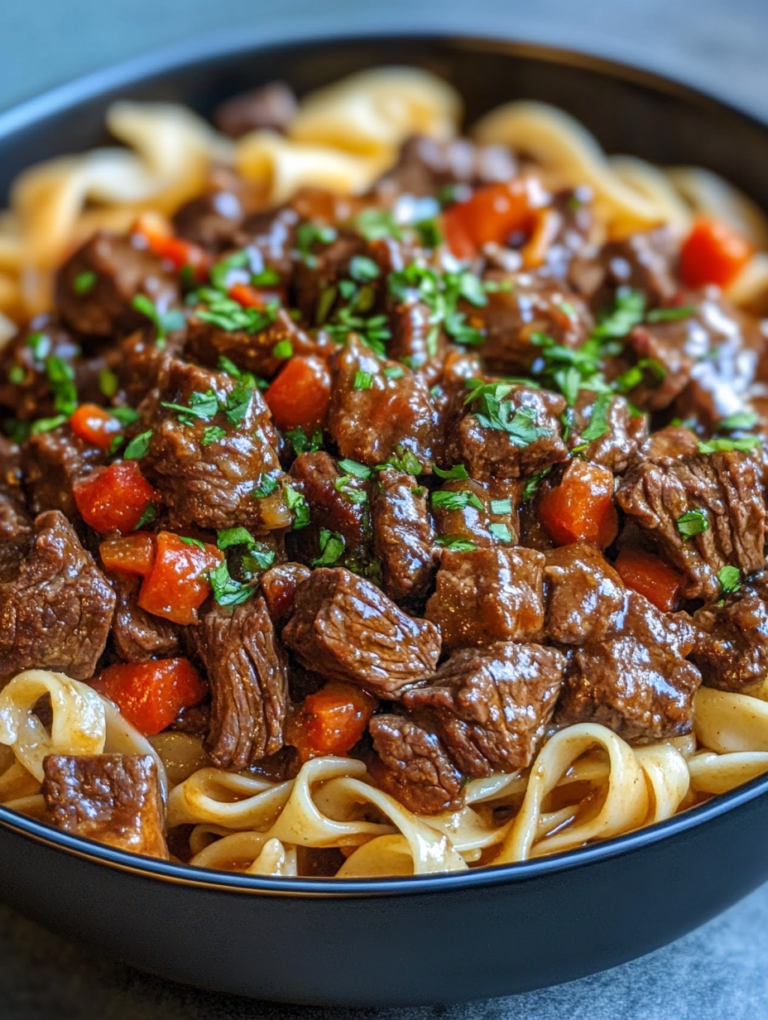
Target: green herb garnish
{"points": [[692, 522]]}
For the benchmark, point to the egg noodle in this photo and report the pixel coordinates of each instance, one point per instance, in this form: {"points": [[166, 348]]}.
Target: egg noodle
{"points": [[586, 783]]}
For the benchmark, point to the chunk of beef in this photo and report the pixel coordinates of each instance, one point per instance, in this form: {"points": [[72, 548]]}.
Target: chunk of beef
{"points": [[270, 235], [636, 681], [413, 766], [210, 220], [279, 585], [732, 652], [491, 706], [15, 525], [488, 595], [387, 417], [478, 513], [704, 364], [142, 362], [726, 487], [122, 270], [52, 462], [206, 479], [194, 719], [270, 107], [530, 305], [112, 798], [25, 392], [586, 597], [414, 341], [624, 432], [403, 536], [249, 683], [346, 629], [628, 669], [326, 265], [425, 165], [527, 440], [139, 636], [56, 611], [643, 261], [252, 351], [337, 503]]}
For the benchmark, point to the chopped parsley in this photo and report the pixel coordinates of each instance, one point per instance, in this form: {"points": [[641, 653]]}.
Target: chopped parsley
{"points": [[352, 467], [692, 522], [301, 443], [373, 331], [235, 536], [456, 543], [627, 312], [568, 370], [192, 541], [221, 271], [429, 233], [331, 548], [374, 224], [501, 506], [441, 292], [362, 381], [742, 421], [212, 434], [500, 531], [223, 312], [237, 403], [299, 506], [402, 460], [352, 493], [450, 501], [725, 445], [533, 482], [363, 269], [40, 345], [671, 314], [138, 446], [265, 486], [598, 423], [636, 374], [495, 412], [47, 424], [226, 590], [84, 282], [730, 580], [393, 372], [309, 234], [283, 350], [164, 322], [150, 513], [457, 471], [202, 406], [108, 382], [259, 558], [16, 375], [125, 415], [61, 383]]}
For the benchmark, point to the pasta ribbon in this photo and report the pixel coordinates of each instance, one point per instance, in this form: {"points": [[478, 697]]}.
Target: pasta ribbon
{"points": [[725, 722], [79, 718], [373, 112], [227, 799]]}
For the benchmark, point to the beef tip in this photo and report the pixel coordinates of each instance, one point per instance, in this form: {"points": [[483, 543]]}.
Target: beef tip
{"points": [[530, 305], [337, 502], [725, 487], [491, 706], [271, 107], [249, 683], [586, 596], [213, 218], [193, 719], [251, 350], [403, 536], [425, 165], [531, 443], [52, 462], [413, 766], [142, 362], [624, 434], [15, 525], [488, 595], [413, 341], [279, 585], [25, 392], [636, 680], [322, 269], [210, 482], [112, 798], [483, 513], [122, 271], [732, 652], [138, 636], [388, 417], [346, 629], [55, 613], [270, 235], [644, 261]]}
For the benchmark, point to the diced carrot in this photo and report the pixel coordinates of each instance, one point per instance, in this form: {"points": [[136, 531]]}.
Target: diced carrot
{"points": [[248, 296], [331, 720], [581, 506], [300, 395], [176, 250], [178, 585], [490, 215], [149, 695], [647, 574], [133, 554], [95, 425], [114, 498], [713, 253]]}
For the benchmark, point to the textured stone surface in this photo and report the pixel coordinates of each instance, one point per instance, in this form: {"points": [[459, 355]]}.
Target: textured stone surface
{"points": [[719, 971]]}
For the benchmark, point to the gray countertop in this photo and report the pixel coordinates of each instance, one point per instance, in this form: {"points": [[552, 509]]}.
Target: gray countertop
{"points": [[719, 972]]}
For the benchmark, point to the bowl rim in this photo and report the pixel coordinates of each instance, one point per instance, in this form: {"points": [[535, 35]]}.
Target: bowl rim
{"points": [[217, 48]]}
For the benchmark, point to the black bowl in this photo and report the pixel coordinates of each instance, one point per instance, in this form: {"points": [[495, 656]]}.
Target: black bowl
{"points": [[417, 940]]}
